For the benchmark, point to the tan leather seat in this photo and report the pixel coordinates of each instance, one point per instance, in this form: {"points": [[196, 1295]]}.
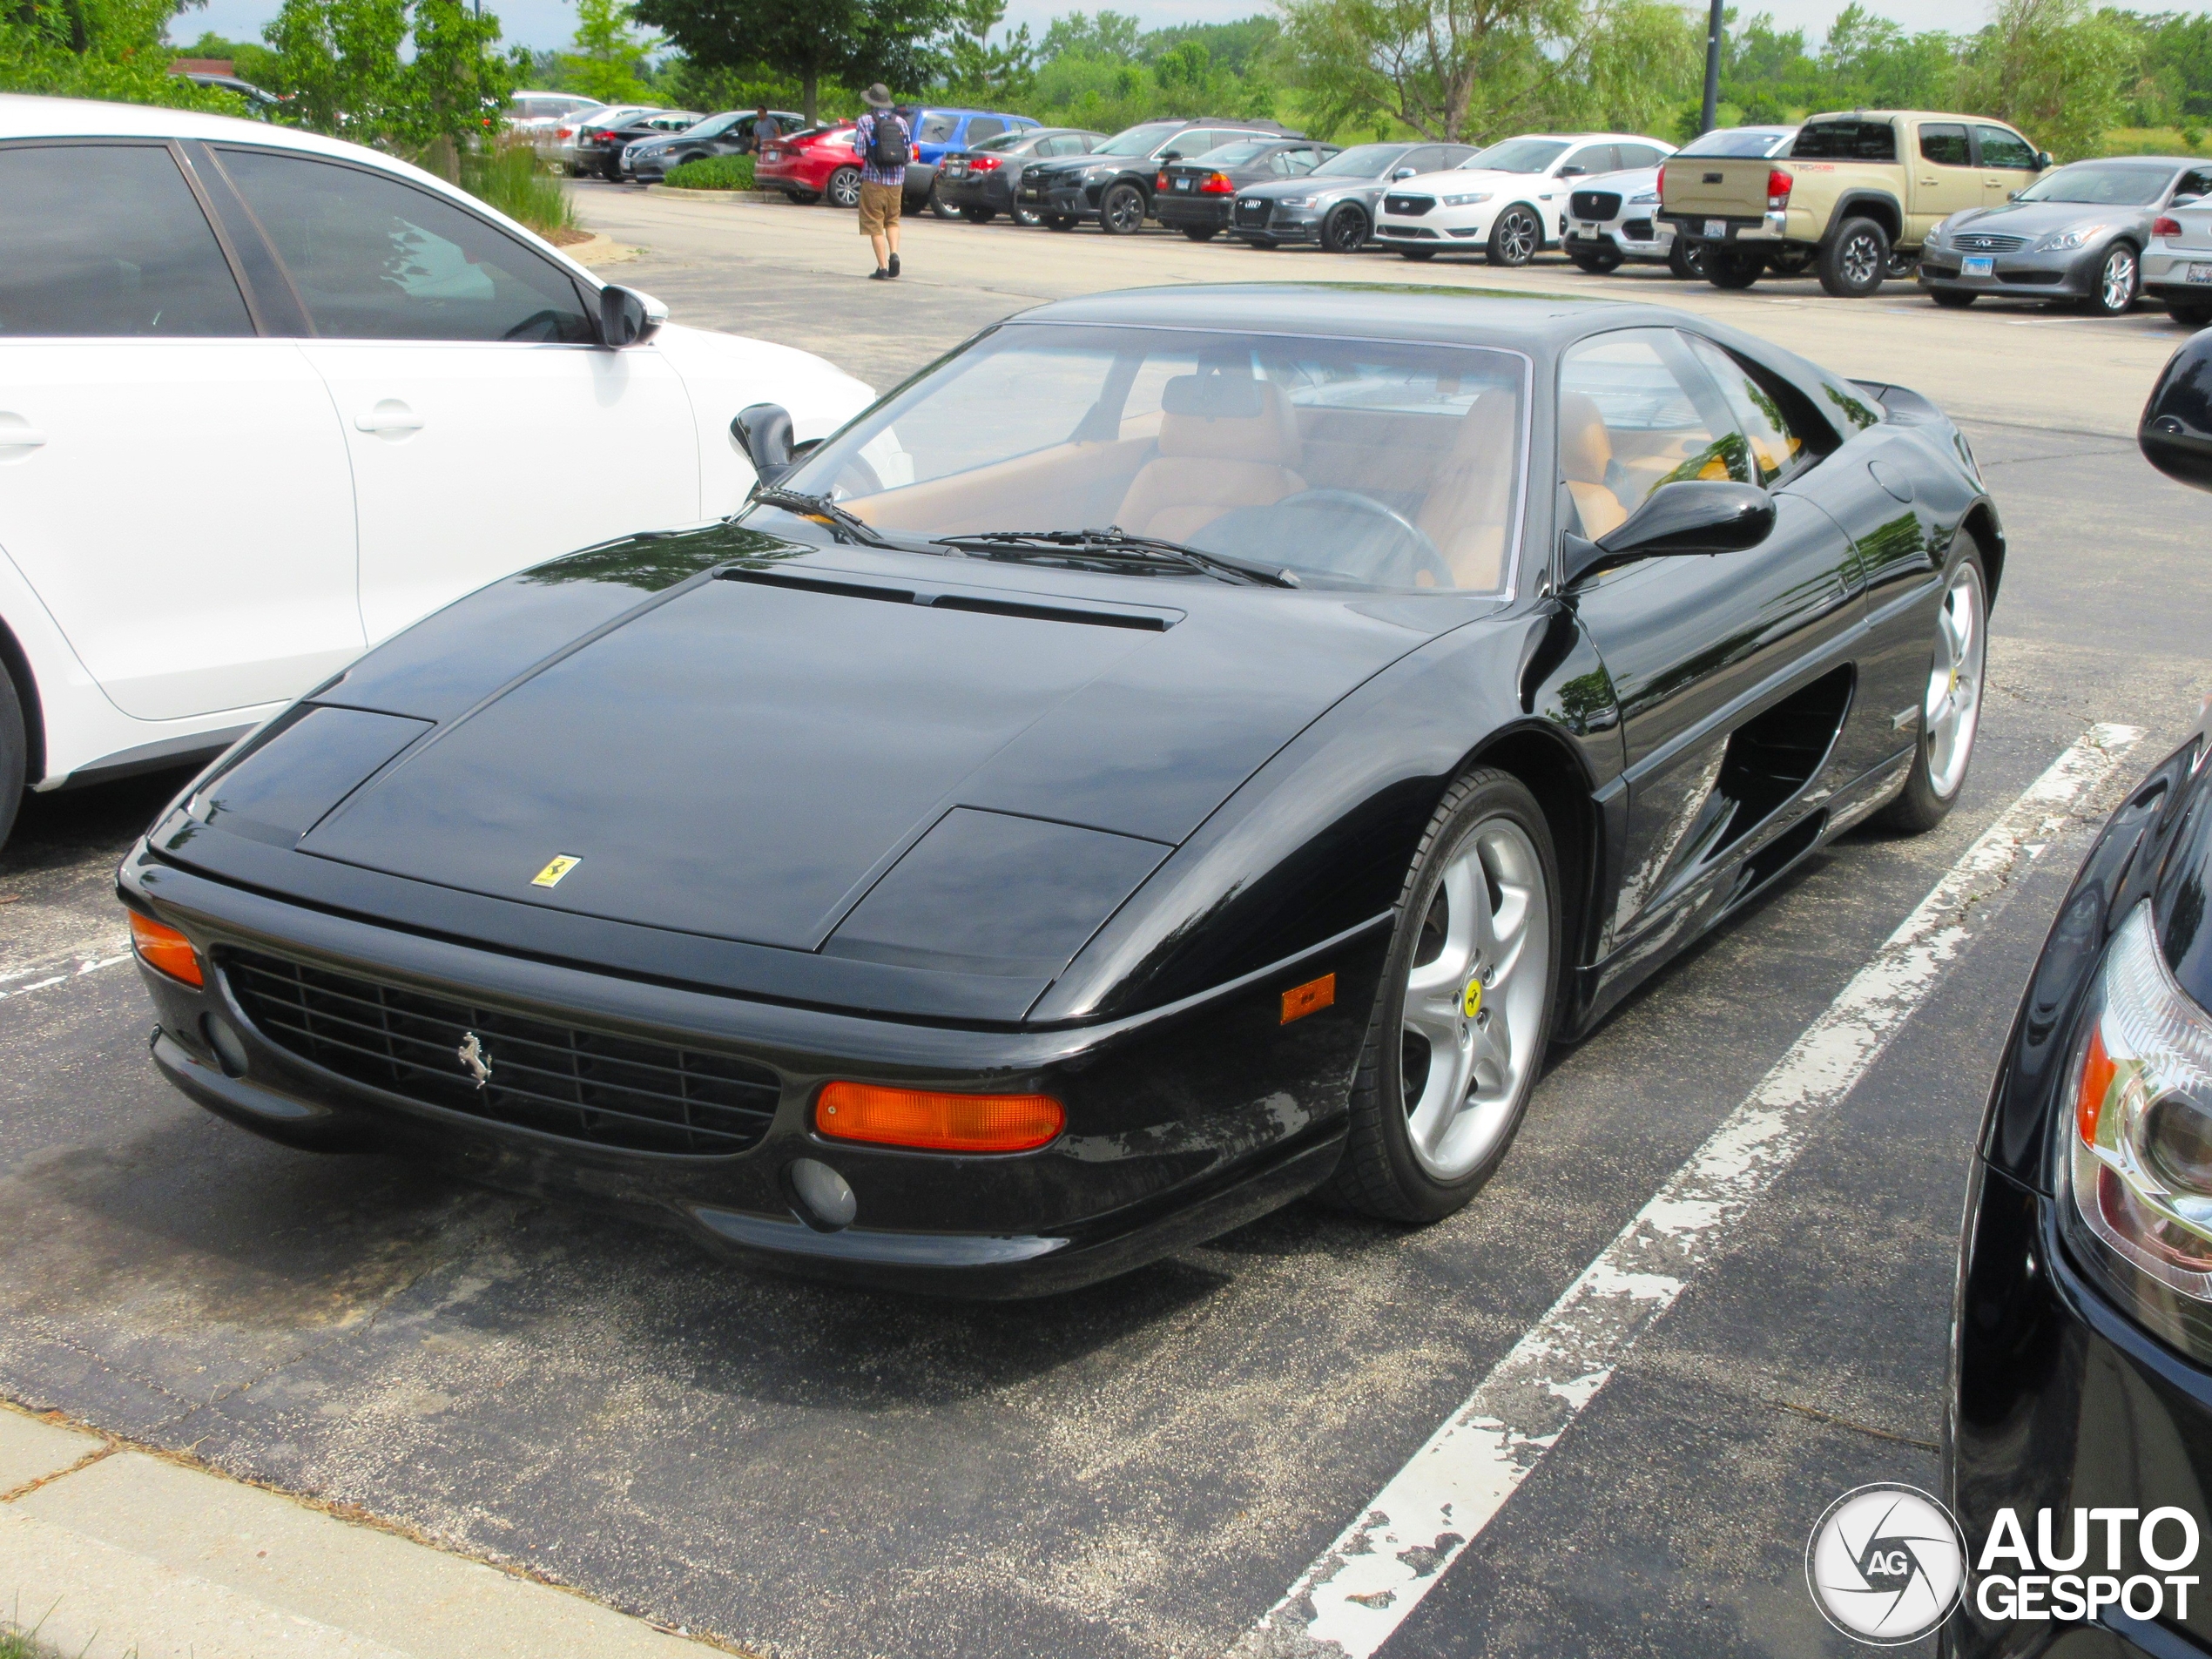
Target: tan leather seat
{"points": [[1210, 464], [1585, 451], [1470, 498]]}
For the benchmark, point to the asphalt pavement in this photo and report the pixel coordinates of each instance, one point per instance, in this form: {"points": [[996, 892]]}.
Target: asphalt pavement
{"points": [[1146, 1467]]}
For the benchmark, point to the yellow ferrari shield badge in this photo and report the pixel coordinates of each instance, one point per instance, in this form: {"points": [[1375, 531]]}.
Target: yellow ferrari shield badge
{"points": [[552, 874], [1473, 1002]]}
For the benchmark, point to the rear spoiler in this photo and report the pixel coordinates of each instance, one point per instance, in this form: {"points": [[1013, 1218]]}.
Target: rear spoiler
{"points": [[1902, 402]]}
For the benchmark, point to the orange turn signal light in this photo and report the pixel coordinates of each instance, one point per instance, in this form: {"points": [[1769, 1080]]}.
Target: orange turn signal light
{"points": [[1309, 998], [161, 946], [2098, 1070], [935, 1122]]}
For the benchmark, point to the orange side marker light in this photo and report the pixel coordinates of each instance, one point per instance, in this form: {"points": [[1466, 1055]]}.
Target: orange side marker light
{"points": [[1309, 998], [163, 947]]}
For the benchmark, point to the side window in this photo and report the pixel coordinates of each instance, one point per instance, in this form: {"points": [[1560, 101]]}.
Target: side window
{"points": [[1428, 159], [2196, 182], [1591, 158], [936, 129], [1635, 412], [107, 241], [982, 127], [1639, 155], [2000, 148], [1775, 447], [374, 259], [1302, 161], [1944, 143], [1073, 144]]}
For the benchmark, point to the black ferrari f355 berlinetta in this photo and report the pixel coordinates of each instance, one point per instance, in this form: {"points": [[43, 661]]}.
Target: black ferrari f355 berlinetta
{"points": [[1184, 749]]}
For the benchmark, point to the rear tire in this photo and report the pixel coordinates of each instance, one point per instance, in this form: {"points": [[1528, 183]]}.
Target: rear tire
{"points": [[938, 206], [15, 755], [1344, 230], [1734, 268], [1688, 259], [1943, 750], [1855, 261], [844, 188], [2187, 315], [1953, 299], [1481, 900], [1789, 262]]}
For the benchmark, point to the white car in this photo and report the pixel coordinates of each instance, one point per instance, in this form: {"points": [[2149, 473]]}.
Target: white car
{"points": [[266, 398], [1507, 201], [549, 121], [1614, 218]]}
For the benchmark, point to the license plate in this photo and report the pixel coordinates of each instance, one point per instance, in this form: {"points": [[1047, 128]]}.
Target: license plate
{"points": [[1978, 265], [2200, 274], [771, 155], [1716, 229], [1183, 184], [1586, 230]]}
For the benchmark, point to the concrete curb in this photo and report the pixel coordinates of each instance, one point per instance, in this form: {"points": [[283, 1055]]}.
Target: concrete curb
{"points": [[774, 195], [600, 249], [110, 1552]]}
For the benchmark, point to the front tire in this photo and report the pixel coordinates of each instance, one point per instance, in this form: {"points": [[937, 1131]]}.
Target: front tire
{"points": [[1121, 212], [1734, 268], [2119, 281], [1463, 1018], [1950, 706], [1598, 262], [1855, 261], [1516, 237], [1344, 230], [15, 755], [845, 187], [1953, 299], [1687, 259]]}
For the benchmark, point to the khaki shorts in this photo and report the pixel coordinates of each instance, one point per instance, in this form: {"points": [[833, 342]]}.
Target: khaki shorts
{"points": [[880, 205]]}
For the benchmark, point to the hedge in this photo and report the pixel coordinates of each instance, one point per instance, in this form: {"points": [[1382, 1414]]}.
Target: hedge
{"points": [[715, 172]]}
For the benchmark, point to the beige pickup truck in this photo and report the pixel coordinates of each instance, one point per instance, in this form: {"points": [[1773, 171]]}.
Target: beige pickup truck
{"points": [[1855, 195]]}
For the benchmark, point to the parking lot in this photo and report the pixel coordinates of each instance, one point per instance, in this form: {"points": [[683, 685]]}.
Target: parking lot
{"points": [[1147, 1467]]}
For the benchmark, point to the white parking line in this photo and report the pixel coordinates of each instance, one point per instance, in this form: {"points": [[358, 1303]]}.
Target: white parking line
{"points": [[89, 966], [1347, 1603]]}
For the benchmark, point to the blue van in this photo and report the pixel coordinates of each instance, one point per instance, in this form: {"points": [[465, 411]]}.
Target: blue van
{"points": [[937, 130]]}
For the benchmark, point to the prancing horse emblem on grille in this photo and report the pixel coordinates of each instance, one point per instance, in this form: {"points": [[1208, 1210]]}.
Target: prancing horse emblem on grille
{"points": [[473, 1056]]}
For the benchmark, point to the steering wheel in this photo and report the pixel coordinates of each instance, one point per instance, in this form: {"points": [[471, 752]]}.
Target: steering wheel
{"points": [[1413, 553]]}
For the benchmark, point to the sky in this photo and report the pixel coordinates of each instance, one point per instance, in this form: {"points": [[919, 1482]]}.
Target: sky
{"points": [[543, 24]]}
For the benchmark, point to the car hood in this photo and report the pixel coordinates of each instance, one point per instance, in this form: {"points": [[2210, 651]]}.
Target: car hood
{"points": [[1632, 182], [2038, 219], [1457, 180], [809, 748], [1276, 189]]}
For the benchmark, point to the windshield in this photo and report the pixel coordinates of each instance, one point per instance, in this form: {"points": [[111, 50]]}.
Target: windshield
{"points": [[2104, 186], [1351, 463], [1361, 161], [1517, 155], [1735, 142], [1138, 141]]}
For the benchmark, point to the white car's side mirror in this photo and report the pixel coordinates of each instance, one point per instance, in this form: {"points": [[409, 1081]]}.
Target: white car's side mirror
{"points": [[628, 318]]}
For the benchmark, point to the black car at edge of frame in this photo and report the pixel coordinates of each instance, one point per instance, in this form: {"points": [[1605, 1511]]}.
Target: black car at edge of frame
{"points": [[994, 860], [2081, 1336]]}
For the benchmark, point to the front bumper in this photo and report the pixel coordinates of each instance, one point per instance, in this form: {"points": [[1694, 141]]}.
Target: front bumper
{"points": [[1268, 220], [1181, 1123], [2060, 1401], [1439, 227], [1061, 201], [2060, 274], [1638, 237]]}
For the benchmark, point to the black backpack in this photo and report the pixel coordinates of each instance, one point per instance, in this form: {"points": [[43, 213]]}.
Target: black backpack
{"points": [[887, 142]]}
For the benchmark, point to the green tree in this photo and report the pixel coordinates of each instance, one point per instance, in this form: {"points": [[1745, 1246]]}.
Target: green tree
{"points": [[812, 41], [2054, 69], [252, 61], [998, 77], [340, 62], [102, 49], [608, 54], [1113, 34]]}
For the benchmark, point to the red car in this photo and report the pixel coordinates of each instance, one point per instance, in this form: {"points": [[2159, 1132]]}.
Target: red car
{"points": [[808, 165]]}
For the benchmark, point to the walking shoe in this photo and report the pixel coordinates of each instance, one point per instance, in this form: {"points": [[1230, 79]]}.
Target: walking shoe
{"points": [[894, 265], [878, 274]]}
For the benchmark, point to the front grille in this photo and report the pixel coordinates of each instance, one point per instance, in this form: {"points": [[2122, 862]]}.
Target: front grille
{"points": [[1409, 207], [580, 1085], [1594, 203], [1253, 215], [1405, 230], [2031, 278], [1990, 243]]}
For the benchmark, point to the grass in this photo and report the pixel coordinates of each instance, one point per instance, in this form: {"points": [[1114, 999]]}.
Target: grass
{"points": [[715, 172], [508, 177], [2157, 141]]}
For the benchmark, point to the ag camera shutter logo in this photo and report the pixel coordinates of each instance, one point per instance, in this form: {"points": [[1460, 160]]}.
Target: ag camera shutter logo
{"points": [[1885, 1564]]}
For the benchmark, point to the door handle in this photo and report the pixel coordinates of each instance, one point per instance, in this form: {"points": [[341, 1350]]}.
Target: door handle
{"points": [[388, 418], [15, 433]]}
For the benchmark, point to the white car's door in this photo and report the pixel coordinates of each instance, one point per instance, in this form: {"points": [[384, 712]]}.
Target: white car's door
{"points": [[487, 430], [173, 486]]}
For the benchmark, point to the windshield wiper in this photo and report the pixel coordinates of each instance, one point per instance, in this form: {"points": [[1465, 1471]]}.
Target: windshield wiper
{"points": [[845, 527], [1115, 545]]}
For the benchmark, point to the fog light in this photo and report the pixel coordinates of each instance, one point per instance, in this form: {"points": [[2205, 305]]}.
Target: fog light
{"points": [[229, 1047], [824, 1192]]}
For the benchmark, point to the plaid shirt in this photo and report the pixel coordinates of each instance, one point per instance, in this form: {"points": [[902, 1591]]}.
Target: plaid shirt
{"points": [[864, 133]]}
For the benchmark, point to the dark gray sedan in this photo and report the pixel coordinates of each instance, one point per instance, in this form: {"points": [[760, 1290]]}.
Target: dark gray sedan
{"points": [[2076, 233], [1334, 204]]}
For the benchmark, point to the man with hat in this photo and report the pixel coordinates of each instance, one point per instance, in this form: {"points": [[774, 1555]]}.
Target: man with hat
{"points": [[884, 142]]}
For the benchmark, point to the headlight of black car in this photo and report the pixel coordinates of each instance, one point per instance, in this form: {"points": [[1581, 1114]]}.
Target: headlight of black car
{"points": [[2137, 1178]]}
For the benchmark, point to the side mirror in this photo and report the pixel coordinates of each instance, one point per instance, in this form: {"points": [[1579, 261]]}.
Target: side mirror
{"points": [[763, 431], [1677, 520], [2042, 159], [1403, 173], [2176, 435], [1572, 170], [628, 318], [1167, 156]]}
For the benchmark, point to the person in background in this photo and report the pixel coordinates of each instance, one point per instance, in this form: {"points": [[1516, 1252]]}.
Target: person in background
{"points": [[764, 129], [884, 142]]}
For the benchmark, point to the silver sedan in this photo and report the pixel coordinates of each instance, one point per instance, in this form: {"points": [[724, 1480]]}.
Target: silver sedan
{"points": [[2077, 234]]}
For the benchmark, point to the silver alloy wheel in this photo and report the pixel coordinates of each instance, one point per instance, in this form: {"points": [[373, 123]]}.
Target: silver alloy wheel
{"points": [[1518, 236], [1474, 1000], [2116, 286], [1953, 709], [1861, 263], [845, 187]]}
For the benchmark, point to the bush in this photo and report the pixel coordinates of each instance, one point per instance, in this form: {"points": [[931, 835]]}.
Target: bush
{"points": [[506, 176], [715, 172]]}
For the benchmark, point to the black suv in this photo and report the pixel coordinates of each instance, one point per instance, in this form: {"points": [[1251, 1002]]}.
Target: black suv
{"points": [[1112, 185]]}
